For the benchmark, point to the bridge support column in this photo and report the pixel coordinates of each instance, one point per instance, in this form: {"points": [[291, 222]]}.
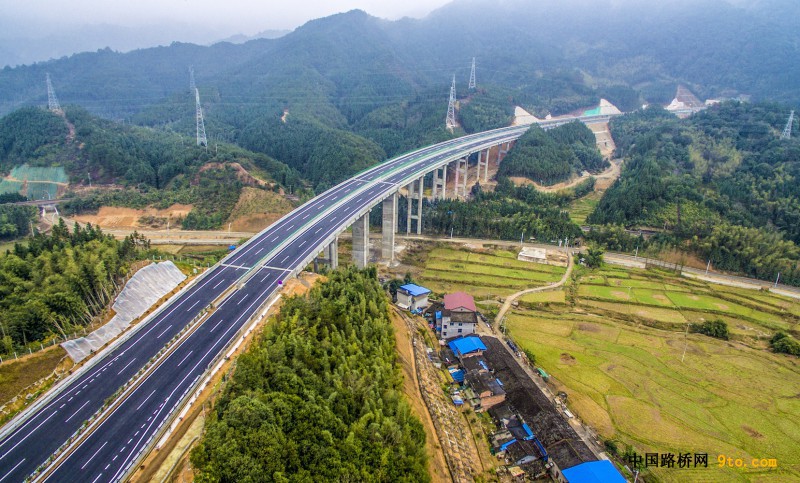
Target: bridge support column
{"points": [[438, 183], [417, 194], [333, 254], [461, 178], [483, 164], [361, 241], [420, 194], [444, 182], [388, 227], [486, 168]]}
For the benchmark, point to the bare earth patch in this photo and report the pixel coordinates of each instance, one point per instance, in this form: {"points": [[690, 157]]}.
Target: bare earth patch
{"points": [[621, 295], [116, 217], [567, 359], [587, 328], [752, 432]]}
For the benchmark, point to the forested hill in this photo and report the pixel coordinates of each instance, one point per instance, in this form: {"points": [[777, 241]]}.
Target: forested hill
{"points": [[721, 183], [356, 63]]}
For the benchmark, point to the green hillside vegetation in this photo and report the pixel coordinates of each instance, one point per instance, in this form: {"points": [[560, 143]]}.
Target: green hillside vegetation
{"points": [[722, 183], [15, 221], [318, 396], [55, 283], [554, 155], [506, 214]]}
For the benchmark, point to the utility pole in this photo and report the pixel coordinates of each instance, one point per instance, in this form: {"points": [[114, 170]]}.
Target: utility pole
{"points": [[201, 127], [778, 279], [708, 266], [450, 122], [787, 131], [472, 84], [52, 100]]}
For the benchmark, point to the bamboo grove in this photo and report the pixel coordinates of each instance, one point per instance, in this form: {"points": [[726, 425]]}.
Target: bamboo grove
{"points": [[318, 397]]}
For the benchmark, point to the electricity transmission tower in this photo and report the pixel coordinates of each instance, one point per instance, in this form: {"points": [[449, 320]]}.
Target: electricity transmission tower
{"points": [[450, 123], [192, 85], [787, 131], [52, 100], [201, 128], [472, 84]]}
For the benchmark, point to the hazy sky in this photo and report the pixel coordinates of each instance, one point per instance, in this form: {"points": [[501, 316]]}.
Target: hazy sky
{"points": [[229, 16]]}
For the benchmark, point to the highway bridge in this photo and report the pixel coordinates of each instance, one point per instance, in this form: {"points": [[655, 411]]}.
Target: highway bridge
{"points": [[112, 446]]}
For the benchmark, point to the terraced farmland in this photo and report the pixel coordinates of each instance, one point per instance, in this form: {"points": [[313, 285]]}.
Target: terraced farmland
{"points": [[484, 274], [617, 349]]}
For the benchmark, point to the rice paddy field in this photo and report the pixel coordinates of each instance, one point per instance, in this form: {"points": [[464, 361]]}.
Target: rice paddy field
{"points": [[615, 341], [617, 345], [484, 274]]}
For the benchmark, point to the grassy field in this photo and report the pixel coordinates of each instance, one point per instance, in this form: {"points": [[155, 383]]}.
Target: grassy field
{"points": [[580, 208], [614, 341], [484, 275], [616, 349]]}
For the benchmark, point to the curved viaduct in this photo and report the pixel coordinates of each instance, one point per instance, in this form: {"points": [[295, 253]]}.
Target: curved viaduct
{"points": [[238, 288]]}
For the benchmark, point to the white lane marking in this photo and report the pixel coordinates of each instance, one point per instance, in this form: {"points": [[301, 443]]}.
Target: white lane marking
{"points": [[77, 393], [242, 299], [304, 242], [72, 397], [218, 284], [285, 258], [165, 331], [130, 441], [194, 305], [237, 267], [317, 230], [123, 449], [136, 434], [307, 215], [107, 466], [62, 406], [334, 218], [182, 361], [76, 412], [126, 366], [98, 477], [260, 250], [115, 457], [12, 469], [276, 238], [145, 400], [95, 454]]}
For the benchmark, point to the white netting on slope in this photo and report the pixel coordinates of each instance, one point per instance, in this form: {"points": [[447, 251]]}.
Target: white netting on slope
{"points": [[143, 290]]}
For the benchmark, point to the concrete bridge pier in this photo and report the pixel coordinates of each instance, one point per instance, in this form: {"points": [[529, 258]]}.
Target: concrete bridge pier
{"points": [[415, 193], [389, 225], [483, 164], [333, 253], [361, 241], [440, 183], [462, 172]]}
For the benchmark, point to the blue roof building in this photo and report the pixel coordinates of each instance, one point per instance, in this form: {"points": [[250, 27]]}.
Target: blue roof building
{"points": [[602, 471], [412, 297], [467, 346]]}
